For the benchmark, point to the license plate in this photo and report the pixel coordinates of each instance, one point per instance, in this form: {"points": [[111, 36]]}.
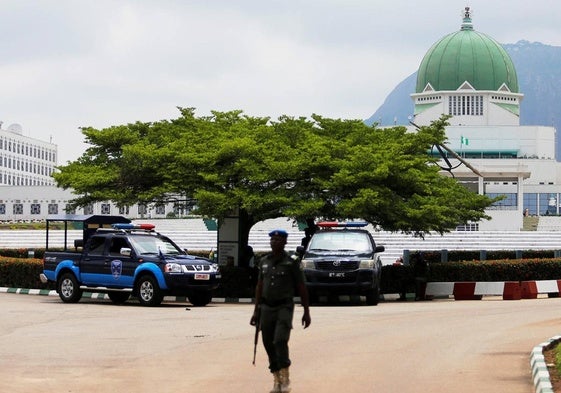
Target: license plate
{"points": [[337, 275], [200, 276]]}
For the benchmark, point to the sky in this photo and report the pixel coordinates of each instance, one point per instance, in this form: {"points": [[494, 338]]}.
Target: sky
{"points": [[67, 64]]}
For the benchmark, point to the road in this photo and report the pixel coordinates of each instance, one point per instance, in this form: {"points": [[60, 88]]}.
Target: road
{"points": [[436, 346]]}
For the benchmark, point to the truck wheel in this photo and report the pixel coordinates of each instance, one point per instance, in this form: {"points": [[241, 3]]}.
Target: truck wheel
{"points": [[118, 297], [68, 288], [200, 298], [373, 296], [149, 293]]}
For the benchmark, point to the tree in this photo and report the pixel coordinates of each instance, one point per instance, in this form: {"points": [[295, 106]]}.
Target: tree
{"points": [[295, 167]]}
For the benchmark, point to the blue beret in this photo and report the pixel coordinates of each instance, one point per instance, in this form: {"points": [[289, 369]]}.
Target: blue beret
{"points": [[279, 232]]}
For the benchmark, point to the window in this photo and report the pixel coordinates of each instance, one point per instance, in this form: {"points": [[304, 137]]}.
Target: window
{"points": [[508, 203], [105, 208], [96, 245], [2, 208], [18, 208], [88, 209], [53, 208], [160, 209], [35, 208], [116, 244], [142, 209], [465, 105], [124, 210], [547, 204], [69, 209]]}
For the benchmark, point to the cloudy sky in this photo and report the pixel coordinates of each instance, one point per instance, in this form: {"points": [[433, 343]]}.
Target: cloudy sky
{"points": [[66, 64]]}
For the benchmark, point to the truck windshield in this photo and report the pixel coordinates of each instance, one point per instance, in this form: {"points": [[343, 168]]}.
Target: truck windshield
{"points": [[340, 241], [153, 245]]}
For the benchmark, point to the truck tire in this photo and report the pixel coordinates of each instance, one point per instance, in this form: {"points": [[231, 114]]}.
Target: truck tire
{"points": [[200, 298], [68, 288], [118, 297], [373, 296], [148, 291]]}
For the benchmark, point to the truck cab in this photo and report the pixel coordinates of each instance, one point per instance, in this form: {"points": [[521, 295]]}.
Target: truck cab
{"points": [[342, 258]]}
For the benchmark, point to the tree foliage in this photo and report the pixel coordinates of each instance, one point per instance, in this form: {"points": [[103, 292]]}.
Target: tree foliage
{"points": [[294, 167]]}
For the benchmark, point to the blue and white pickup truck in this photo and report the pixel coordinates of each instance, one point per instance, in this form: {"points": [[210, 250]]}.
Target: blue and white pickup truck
{"points": [[122, 259]]}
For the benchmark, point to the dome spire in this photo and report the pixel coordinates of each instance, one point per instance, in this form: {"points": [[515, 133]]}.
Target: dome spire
{"points": [[466, 22]]}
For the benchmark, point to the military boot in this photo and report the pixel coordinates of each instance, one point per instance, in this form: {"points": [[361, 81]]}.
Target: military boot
{"points": [[276, 382], [284, 381]]}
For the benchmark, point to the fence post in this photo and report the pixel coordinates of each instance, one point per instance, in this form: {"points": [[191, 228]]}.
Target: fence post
{"points": [[444, 256], [518, 254], [483, 255]]}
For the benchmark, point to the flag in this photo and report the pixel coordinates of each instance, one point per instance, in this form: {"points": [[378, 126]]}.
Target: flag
{"points": [[464, 140]]}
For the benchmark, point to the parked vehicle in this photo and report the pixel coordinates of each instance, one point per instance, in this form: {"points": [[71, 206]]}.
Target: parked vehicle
{"points": [[122, 259], [342, 258]]}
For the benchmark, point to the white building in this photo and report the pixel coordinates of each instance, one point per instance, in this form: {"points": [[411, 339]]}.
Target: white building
{"points": [[469, 76], [35, 203], [25, 161]]}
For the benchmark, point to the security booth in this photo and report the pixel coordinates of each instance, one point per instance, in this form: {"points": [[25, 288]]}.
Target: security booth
{"points": [[89, 223]]}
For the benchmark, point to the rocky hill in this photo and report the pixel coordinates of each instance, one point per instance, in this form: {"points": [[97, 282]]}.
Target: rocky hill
{"points": [[539, 76]]}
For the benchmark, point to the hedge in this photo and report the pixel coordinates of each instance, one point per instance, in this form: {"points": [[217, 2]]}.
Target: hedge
{"points": [[239, 282]]}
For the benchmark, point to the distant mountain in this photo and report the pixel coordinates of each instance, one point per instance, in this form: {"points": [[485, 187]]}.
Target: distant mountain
{"points": [[538, 67]]}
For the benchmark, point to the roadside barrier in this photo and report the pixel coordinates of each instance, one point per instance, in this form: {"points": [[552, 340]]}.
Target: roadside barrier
{"points": [[509, 290]]}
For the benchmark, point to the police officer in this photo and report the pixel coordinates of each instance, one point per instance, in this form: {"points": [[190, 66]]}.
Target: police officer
{"points": [[280, 280]]}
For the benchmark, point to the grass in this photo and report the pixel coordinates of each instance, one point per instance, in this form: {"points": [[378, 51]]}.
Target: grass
{"points": [[557, 352], [32, 225]]}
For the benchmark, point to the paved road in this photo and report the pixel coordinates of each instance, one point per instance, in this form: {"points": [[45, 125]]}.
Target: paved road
{"points": [[438, 346]]}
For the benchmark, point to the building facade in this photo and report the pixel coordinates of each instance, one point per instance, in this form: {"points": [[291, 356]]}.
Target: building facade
{"points": [[25, 161], [35, 203], [469, 76]]}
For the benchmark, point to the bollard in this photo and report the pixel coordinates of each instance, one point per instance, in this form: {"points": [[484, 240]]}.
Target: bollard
{"points": [[518, 254], [483, 255], [406, 257], [444, 256]]}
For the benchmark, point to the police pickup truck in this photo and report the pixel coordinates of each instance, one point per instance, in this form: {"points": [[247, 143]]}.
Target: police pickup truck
{"points": [[342, 258], [122, 259]]}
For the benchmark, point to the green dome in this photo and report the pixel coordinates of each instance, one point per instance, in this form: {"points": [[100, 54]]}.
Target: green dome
{"points": [[467, 55]]}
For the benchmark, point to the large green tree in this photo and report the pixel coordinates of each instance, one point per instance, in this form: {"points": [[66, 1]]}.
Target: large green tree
{"points": [[296, 167]]}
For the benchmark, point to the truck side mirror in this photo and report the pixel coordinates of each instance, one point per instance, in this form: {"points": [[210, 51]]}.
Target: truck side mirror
{"points": [[125, 251]]}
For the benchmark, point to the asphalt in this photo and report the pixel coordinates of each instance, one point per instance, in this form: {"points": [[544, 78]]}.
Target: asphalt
{"points": [[540, 373]]}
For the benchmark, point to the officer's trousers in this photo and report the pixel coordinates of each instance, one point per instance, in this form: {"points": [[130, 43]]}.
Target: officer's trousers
{"points": [[276, 324]]}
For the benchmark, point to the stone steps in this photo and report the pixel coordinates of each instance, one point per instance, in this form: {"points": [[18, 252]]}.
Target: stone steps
{"points": [[201, 239]]}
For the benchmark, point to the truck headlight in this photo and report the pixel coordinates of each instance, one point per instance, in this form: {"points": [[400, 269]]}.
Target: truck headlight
{"points": [[308, 264], [173, 268], [366, 264]]}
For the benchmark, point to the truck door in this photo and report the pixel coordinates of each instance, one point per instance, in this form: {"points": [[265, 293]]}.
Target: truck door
{"points": [[92, 264], [119, 267]]}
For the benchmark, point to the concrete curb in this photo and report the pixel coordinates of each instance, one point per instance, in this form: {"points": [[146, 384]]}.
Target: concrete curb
{"points": [[181, 299], [509, 290], [540, 373]]}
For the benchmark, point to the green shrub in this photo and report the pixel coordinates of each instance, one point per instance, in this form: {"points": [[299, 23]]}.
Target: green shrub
{"points": [[21, 273], [238, 282], [500, 270]]}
